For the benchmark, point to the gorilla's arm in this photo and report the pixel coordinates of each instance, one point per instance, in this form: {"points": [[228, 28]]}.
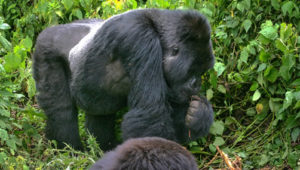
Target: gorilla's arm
{"points": [[150, 113]]}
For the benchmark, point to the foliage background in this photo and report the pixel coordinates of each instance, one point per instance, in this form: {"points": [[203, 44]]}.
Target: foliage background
{"points": [[254, 86]]}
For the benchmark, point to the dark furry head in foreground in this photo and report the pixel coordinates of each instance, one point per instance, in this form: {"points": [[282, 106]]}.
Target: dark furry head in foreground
{"points": [[150, 153]]}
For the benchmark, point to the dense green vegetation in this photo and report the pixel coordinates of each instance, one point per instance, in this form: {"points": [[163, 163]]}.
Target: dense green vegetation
{"points": [[254, 86]]}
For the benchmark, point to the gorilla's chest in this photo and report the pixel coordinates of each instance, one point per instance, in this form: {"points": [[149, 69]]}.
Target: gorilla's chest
{"points": [[110, 75]]}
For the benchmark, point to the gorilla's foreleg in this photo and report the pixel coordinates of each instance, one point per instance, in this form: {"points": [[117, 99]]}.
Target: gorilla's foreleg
{"points": [[103, 128], [51, 75]]}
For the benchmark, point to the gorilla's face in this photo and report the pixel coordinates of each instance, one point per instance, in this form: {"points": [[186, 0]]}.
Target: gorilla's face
{"points": [[186, 58]]}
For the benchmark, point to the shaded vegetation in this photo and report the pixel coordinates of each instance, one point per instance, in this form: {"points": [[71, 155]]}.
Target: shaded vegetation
{"points": [[254, 86]]}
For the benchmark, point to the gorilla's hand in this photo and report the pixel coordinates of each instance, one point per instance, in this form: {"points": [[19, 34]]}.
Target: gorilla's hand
{"points": [[199, 117]]}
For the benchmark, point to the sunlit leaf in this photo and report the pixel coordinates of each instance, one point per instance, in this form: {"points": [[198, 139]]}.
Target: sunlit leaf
{"points": [[269, 31], [27, 43], [219, 141], [12, 61], [256, 95], [262, 67], [280, 45], [67, 4], [288, 99], [219, 67], [221, 89], [217, 128], [4, 43], [4, 26], [209, 94]]}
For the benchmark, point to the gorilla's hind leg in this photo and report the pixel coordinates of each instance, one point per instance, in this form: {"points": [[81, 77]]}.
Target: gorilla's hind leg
{"points": [[52, 75], [103, 128]]}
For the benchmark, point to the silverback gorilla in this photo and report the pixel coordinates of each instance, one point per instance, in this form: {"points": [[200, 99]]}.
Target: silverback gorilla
{"points": [[149, 153], [149, 60]]}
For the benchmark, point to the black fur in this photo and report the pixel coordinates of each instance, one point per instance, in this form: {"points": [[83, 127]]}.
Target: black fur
{"points": [[149, 60], [149, 153]]}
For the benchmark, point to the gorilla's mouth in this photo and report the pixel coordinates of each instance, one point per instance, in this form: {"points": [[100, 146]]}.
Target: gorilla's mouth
{"points": [[183, 93]]}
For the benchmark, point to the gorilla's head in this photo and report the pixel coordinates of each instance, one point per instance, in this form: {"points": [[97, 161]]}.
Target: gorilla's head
{"points": [[187, 54]]}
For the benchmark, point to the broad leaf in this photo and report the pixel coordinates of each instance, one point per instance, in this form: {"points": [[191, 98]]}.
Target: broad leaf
{"points": [[247, 24], [256, 95]]}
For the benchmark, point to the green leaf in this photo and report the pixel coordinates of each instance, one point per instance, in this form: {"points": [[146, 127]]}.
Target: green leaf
{"points": [[31, 87], [247, 24], [11, 144], [213, 78], [219, 141], [285, 31], [6, 44], [292, 160], [264, 56], [281, 46], [240, 7], [295, 134], [296, 95], [212, 148], [263, 160], [67, 4], [274, 105], [207, 12], [3, 157], [297, 105], [217, 128], [4, 26], [275, 4], [221, 89], [287, 8], [288, 99], [4, 113], [244, 55], [271, 74], [256, 95], [3, 135], [12, 61], [269, 31], [296, 82], [219, 67], [262, 67], [298, 115], [254, 86], [287, 63], [27, 43], [209, 94], [251, 112], [76, 12]]}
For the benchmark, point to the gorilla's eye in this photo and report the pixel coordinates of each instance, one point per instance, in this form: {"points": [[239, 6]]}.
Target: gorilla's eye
{"points": [[174, 51]]}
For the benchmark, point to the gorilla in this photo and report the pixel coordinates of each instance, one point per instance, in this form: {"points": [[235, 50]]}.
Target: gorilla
{"points": [[148, 153], [147, 60]]}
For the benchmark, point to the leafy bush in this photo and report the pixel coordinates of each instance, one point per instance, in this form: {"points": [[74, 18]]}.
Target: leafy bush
{"points": [[254, 86]]}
